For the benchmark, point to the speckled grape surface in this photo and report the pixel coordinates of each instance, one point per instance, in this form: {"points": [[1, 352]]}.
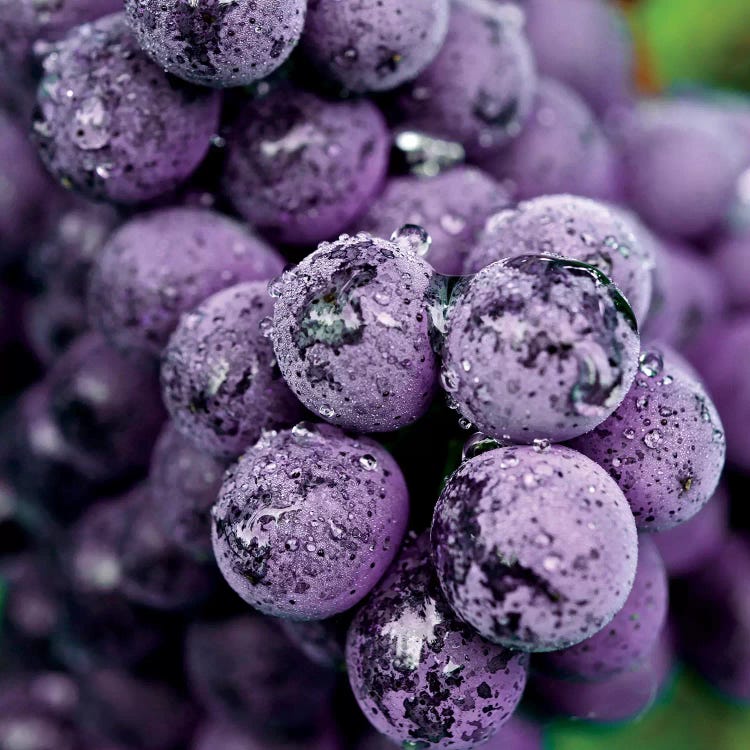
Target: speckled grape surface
{"points": [[536, 549], [351, 333], [161, 264], [632, 634], [126, 133], [538, 347], [451, 206], [561, 149], [664, 445], [572, 227], [374, 45], [479, 90], [219, 377], [308, 520], [301, 168], [420, 675], [244, 671], [185, 483], [215, 43]]}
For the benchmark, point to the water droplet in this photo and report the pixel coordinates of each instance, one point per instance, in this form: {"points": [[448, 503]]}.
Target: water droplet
{"points": [[641, 403], [275, 286], [529, 481], [292, 544], [412, 239], [477, 444], [266, 327], [653, 438], [368, 462], [90, 127], [465, 424], [326, 411], [449, 380], [381, 298], [541, 445], [542, 540], [629, 433], [465, 365], [552, 562], [650, 363], [304, 431], [666, 380], [336, 531]]}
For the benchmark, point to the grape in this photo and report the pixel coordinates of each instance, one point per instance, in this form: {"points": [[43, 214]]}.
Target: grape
{"points": [[374, 46], [622, 697], [185, 483], [420, 675], [730, 255], [302, 169], [451, 206], [561, 149], [217, 43], [480, 87], [664, 445], [351, 331], [688, 295], [127, 133], [164, 263], [680, 167], [631, 635], [689, 546], [308, 520], [576, 228], [268, 689], [538, 347], [710, 610], [584, 44], [517, 734], [219, 377], [217, 736], [535, 548]]}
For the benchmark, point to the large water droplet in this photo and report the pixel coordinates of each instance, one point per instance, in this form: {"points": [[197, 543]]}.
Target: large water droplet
{"points": [[653, 438], [368, 462], [477, 444], [326, 411], [412, 238], [651, 363], [266, 327]]}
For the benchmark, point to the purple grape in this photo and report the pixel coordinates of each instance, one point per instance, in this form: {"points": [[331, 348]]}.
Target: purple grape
{"points": [[321, 641], [185, 483], [164, 263], [217, 43], [538, 347], [517, 734], [561, 149], [219, 377], [688, 295], [680, 166], [480, 88], [420, 675], [374, 46], [352, 331], [585, 44], [664, 445], [689, 546], [631, 635], [451, 206], [730, 258], [127, 133], [106, 406], [535, 547], [270, 688], [301, 169], [622, 697], [308, 520], [218, 736], [710, 608], [576, 228]]}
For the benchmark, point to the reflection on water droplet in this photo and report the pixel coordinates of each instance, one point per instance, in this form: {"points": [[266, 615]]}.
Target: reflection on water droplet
{"points": [[368, 462], [465, 424], [412, 238], [651, 363], [552, 562], [449, 380], [653, 438], [266, 327], [541, 445], [477, 444], [326, 411]]}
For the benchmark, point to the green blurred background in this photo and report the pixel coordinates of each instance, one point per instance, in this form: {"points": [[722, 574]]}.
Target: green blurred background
{"points": [[679, 43]]}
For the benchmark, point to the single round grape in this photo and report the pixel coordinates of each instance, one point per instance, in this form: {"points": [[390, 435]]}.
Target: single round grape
{"points": [[374, 46], [688, 295], [586, 45], [244, 671], [219, 377], [561, 149], [538, 347], [480, 88], [308, 520], [106, 406], [680, 167], [351, 331], [420, 675], [217, 43], [185, 483], [535, 547], [164, 263], [117, 546], [110, 124], [301, 169], [689, 546], [571, 227], [710, 612], [631, 635], [451, 207], [664, 445], [223, 736], [321, 641], [623, 697]]}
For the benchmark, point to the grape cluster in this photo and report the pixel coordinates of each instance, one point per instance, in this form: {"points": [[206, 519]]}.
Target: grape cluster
{"points": [[372, 369]]}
